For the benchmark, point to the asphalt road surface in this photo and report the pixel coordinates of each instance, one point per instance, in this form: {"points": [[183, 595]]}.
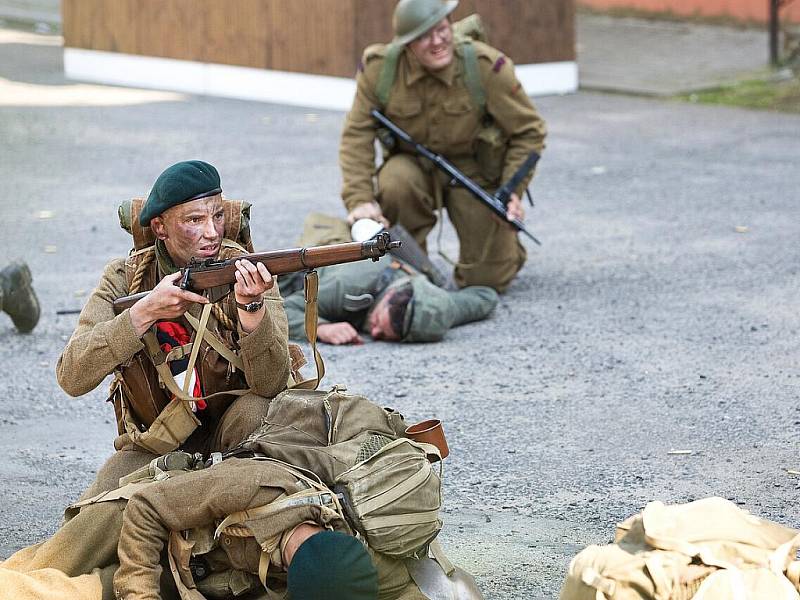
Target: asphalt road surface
{"points": [[660, 315]]}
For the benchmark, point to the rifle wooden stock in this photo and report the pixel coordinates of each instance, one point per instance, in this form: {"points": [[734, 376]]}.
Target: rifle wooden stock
{"points": [[199, 276]]}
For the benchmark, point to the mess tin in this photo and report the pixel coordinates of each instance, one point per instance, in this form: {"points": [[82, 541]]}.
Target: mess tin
{"points": [[429, 432]]}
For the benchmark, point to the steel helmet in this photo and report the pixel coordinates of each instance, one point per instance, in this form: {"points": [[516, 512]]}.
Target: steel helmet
{"points": [[412, 18]]}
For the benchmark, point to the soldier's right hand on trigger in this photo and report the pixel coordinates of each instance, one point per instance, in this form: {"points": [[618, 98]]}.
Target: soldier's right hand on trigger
{"points": [[165, 301], [367, 210]]}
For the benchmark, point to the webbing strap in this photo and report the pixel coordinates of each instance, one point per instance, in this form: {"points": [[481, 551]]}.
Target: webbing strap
{"points": [[178, 353], [121, 493], [200, 331], [472, 75], [311, 287], [178, 552], [437, 552], [397, 491], [217, 344], [153, 350], [263, 568], [417, 518], [302, 498], [388, 72]]}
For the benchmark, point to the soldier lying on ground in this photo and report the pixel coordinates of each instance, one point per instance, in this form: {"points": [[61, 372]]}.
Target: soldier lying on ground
{"points": [[249, 522], [17, 298], [184, 216], [461, 99], [386, 299], [129, 540]]}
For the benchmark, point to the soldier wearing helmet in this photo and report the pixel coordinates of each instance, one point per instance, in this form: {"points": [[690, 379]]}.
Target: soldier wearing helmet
{"points": [[460, 98]]}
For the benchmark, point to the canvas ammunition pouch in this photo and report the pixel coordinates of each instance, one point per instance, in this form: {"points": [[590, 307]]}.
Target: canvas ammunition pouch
{"points": [[391, 494], [709, 549], [491, 144]]}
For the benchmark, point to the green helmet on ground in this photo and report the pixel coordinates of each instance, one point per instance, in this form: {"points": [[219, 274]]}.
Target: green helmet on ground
{"points": [[412, 18]]}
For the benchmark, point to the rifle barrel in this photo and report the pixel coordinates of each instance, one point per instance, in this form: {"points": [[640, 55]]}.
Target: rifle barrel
{"points": [[208, 274]]}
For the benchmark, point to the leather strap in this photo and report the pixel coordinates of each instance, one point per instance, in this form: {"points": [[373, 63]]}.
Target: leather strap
{"points": [[311, 285]]}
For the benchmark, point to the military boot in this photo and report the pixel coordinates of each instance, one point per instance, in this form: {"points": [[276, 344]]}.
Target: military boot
{"points": [[17, 297]]}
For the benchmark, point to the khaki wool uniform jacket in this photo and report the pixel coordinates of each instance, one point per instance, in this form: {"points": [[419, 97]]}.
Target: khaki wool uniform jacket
{"points": [[198, 501]]}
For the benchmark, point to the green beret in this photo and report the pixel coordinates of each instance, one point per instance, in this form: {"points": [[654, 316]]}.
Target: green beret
{"points": [[182, 182], [332, 566]]}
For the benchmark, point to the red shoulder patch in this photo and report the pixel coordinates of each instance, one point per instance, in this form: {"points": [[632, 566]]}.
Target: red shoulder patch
{"points": [[498, 64]]}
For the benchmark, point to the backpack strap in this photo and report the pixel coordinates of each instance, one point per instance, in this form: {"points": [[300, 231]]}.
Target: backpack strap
{"points": [[472, 74], [388, 72]]}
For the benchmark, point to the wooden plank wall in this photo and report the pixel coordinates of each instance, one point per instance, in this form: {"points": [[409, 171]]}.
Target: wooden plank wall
{"points": [[323, 37]]}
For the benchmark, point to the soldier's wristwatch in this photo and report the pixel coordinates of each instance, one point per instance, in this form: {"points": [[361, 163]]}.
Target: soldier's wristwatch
{"points": [[251, 307]]}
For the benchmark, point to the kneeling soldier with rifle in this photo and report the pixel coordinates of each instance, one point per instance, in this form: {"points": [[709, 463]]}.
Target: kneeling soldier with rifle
{"points": [[460, 98]]}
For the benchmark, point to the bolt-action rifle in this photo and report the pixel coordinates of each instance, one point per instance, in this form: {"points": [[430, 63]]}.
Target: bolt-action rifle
{"points": [[215, 277], [497, 202]]}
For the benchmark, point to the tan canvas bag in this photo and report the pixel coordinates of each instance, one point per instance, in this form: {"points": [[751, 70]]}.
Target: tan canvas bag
{"points": [[704, 550]]}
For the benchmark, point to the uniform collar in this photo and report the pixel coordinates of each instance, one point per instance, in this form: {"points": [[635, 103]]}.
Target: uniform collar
{"points": [[165, 264], [415, 71]]}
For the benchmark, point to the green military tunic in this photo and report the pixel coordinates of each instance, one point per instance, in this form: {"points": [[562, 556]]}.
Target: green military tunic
{"points": [[437, 110], [348, 292]]}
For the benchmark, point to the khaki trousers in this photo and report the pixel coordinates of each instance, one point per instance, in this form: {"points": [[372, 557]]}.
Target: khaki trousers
{"points": [[490, 252]]}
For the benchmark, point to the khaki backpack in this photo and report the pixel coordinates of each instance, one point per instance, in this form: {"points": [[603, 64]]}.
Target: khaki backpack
{"points": [[704, 550], [390, 492]]}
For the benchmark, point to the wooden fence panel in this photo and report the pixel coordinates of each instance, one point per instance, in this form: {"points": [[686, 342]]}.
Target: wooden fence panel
{"points": [[323, 37], [239, 32], [313, 36]]}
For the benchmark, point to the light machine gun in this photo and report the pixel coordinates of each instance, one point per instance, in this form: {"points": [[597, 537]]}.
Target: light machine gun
{"points": [[215, 277], [497, 202]]}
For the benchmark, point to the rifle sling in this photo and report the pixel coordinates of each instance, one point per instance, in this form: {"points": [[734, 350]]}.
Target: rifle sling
{"points": [[311, 287]]}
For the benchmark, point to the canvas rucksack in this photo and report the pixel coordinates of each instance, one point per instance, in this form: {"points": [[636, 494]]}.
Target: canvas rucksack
{"points": [[704, 550], [390, 491]]}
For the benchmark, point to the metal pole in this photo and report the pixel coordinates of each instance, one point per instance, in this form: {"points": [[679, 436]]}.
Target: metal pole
{"points": [[773, 31]]}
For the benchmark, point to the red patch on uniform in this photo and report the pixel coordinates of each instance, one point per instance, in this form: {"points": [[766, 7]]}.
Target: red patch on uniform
{"points": [[499, 64], [516, 88]]}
